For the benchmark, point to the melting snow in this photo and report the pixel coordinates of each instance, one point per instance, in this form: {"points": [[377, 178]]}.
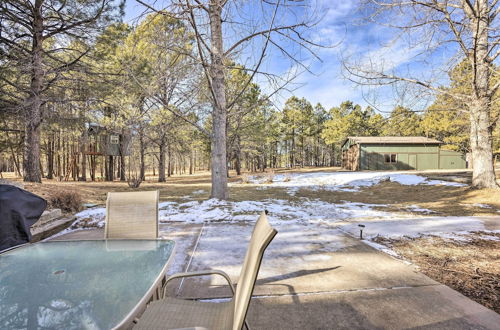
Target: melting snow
{"points": [[303, 220], [198, 192], [396, 228], [345, 181], [416, 208], [484, 206], [213, 210]]}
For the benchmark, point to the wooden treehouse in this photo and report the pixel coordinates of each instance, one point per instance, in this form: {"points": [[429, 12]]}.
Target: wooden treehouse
{"points": [[100, 141], [103, 142]]}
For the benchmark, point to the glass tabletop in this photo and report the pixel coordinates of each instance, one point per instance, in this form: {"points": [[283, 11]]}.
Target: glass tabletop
{"points": [[77, 284]]}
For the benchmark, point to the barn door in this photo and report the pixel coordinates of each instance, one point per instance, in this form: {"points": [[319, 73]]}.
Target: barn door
{"points": [[412, 161]]}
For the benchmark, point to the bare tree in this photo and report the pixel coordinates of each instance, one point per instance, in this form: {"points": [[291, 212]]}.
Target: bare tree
{"points": [[36, 37], [467, 27], [225, 33]]}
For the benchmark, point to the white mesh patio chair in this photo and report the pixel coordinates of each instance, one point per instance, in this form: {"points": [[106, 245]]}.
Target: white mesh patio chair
{"points": [[174, 313], [132, 215]]}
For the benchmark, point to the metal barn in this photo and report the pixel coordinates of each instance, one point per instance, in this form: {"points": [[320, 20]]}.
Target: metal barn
{"points": [[398, 153]]}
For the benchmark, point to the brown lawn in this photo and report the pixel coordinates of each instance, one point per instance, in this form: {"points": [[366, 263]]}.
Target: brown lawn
{"points": [[392, 196], [470, 267]]}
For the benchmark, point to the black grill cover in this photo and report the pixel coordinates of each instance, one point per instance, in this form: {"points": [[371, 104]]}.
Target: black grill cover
{"points": [[19, 209]]}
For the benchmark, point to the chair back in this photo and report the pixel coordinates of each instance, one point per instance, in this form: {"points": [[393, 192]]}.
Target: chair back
{"points": [[132, 215], [262, 235]]}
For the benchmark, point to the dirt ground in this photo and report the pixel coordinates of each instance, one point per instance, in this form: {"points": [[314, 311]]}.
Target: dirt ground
{"points": [[471, 267], [392, 196]]}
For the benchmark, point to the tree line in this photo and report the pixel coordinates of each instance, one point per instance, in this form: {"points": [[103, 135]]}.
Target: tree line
{"points": [[259, 136], [171, 78], [177, 93]]}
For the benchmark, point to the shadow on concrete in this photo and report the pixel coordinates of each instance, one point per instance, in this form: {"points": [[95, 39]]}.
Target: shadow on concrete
{"points": [[295, 274]]}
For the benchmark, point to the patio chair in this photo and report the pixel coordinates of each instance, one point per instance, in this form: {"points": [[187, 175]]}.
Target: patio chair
{"points": [[173, 313], [132, 215]]}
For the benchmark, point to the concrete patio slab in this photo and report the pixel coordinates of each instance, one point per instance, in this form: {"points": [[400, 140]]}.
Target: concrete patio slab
{"points": [[185, 236], [427, 307], [317, 277], [300, 259]]}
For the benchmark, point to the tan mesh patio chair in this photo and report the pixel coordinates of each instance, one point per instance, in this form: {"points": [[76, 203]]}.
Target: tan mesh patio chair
{"points": [[132, 215], [172, 313]]}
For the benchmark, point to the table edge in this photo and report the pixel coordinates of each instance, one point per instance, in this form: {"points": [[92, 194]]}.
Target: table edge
{"points": [[14, 247], [129, 318]]}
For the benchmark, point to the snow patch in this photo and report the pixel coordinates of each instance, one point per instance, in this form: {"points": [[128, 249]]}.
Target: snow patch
{"points": [[484, 206], [344, 181], [198, 192], [416, 208], [490, 237], [381, 247], [395, 228], [407, 179]]}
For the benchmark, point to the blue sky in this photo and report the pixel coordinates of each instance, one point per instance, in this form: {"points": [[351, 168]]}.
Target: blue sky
{"points": [[342, 24]]}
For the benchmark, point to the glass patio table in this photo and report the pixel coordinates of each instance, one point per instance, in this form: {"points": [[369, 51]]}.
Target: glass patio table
{"points": [[99, 284]]}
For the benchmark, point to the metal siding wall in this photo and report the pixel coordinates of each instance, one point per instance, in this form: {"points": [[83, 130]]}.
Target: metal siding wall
{"points": [[401, 148], [427, 161], [452, 160], [364, 161], [428, 157], [372, 157], [402, 162]]}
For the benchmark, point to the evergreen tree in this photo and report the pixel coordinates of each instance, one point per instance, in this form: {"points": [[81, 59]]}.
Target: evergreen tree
{"points": [[36, 39], [403, 122]]}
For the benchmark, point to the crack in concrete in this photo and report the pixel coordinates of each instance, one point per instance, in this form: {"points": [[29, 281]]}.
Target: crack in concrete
{"points": [[190, 259], [299, 294]]}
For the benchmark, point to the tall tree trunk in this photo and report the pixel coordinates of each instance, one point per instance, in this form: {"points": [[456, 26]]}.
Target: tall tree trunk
{"points": [[161, 163], [191, 160], [111, 171], [153, 165], [142, 148], [58, 158], [41, 168], [14, 155], [92, 159], [218, 143], [483, 173], [122, 159], [50, 157], [33, 106], [106, 168], [302, 151], [84, 157], [169, 165], [238, 156]]}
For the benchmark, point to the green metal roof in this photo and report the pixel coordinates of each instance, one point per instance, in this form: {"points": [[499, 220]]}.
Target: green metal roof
{"points": [[391, 140]]}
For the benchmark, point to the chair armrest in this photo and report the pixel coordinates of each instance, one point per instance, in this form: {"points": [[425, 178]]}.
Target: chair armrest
{"points": [[197, 274], [202, 273]]}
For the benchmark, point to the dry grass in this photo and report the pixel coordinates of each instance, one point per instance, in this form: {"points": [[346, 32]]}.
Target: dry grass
{"points": [[134, 181], [391, 196], [269, 177], [470, 267], [245, 178], [66, 200]]}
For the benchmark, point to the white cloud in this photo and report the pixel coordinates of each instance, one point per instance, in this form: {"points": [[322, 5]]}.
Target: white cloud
{"points": [[387, 58]]}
